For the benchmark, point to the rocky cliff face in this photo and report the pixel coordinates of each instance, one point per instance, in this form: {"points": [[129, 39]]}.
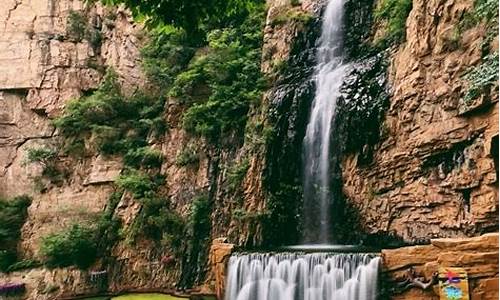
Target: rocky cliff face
{"points": [[478, 256], [434, 173]]}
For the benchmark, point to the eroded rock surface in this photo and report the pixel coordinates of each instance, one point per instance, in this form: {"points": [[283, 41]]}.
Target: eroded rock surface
{"points": [[478, 256], [433, 174]]}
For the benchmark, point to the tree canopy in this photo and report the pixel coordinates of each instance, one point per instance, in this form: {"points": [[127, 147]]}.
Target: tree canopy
{"points": [[194, 16]]}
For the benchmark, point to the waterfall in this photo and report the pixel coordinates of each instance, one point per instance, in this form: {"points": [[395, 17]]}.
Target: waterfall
{"points": [[298, 276], [329, 73], [315, 276]]}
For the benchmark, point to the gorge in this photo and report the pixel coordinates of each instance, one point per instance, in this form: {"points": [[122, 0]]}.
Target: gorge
{"points": [[248, 150]]}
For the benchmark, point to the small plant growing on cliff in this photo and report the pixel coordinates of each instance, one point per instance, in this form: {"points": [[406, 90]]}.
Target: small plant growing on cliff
{"points": [[44, 156], [138, 183], [143, 157], [76, 26], [47, 158], [482, 77], [236, 174], [394, 14], [230, 74], [110, 121], [166, 54], [292, 15]]}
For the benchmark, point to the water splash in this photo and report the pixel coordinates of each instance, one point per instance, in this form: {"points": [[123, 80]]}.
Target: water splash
{"points": [[295, 276], [329, 74]]}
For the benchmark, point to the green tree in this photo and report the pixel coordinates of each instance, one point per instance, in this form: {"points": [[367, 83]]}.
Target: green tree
{"points": [[195, 16]]}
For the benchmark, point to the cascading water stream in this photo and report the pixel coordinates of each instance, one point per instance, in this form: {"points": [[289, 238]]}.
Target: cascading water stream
{"points": [[329, 73], [317, 276], [295, 276]]}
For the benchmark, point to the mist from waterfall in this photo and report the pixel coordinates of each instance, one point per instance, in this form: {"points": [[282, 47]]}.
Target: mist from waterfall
{"points": [[329, 73], [296, 276]]}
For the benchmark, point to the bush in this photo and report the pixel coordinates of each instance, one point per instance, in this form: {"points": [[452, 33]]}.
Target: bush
{"points": [[76, 25], [47, 159], [44, 156], [394, 13], [76, 246], [166, 55], [7, 258], [292, 15], [116, 123], [143, 157], [23, 264], [158, 222], [138, 183]]}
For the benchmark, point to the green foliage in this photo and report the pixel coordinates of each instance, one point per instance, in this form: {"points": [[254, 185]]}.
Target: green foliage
{"points": [[196, 16], [197, 244], [158, 221], [80, 245], [47, 158], [13, 214], [138, 183], [199, 220], [482, 77], [23, 265], [143, 157], [394, 14], [114, 122], [231, 71], [40, 155], [292, 15], [241, 214], [483, 11], [76, 25], [165, 55], [188, 156], [78, 29], [236, 174], [74, 246]]}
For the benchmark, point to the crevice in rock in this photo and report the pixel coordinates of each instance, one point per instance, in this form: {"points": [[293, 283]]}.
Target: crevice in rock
{"points": [[494, 154], [447, 160]]}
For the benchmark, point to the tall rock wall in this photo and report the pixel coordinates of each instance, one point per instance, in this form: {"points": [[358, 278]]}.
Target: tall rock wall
{"points": [[433, 174]]}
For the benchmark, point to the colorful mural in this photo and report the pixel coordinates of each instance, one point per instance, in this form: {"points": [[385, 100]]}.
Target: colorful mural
{"points": [[453, 284]]}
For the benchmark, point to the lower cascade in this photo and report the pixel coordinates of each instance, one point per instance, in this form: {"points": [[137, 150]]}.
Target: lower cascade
{"points": [[299, 276]]}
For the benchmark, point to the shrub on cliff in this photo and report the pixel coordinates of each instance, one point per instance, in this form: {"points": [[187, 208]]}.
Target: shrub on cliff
{"points": [[74, 246], [13, 214], [111, 121], [393, 13], [231, 72]]}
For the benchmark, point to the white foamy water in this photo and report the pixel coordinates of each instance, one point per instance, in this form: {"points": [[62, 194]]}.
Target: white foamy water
{"points": [[329, 74], [292, 276]]}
